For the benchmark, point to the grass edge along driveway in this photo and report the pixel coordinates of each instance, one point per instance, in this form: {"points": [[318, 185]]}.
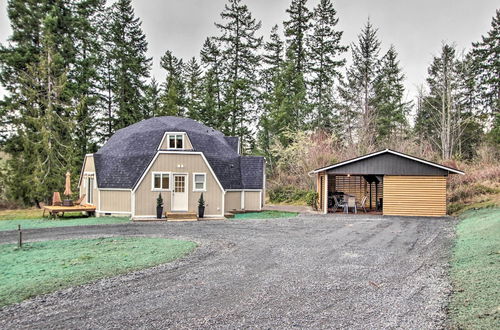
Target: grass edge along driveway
{"points": [[475, 269], [60, 222], [43, 267], [265, 215]]}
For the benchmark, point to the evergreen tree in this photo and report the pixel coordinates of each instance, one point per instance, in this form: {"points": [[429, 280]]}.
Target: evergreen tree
{"points": [[324, 63], [240, 55], [173, 98], [152, 99], [84, 78], [194, 86], [446, 113], [42, 148], [471, 119], [486, 54], [289, 106], [389, 98], [358, 87], [296, 29], [212, 108], [129, 64], [272, 59], [25, 45]]}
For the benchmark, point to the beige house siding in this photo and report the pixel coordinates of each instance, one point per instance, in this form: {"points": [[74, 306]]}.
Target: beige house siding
{"points": [[145, 198], [89, 168], [187, 143], [233, 201], [415, 195], [114, 201], [252, 200], [89, 164]]}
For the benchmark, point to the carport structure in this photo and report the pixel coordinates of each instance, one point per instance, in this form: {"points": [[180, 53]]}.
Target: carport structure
{"points": [[394, 183]]}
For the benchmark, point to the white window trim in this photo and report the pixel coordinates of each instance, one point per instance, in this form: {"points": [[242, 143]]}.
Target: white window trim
{"points": [[204, 182], [166, 138], [161, 180], [91, 190]]}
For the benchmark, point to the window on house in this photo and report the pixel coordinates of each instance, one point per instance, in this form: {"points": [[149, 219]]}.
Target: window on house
{"points": [[161, 181], [200, 182], [90, 190], [175, 141]]}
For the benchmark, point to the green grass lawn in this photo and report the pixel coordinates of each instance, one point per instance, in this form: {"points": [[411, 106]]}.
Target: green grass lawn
{"points": [[60, 222], [265, 215], [44, 267], [475, 271]]}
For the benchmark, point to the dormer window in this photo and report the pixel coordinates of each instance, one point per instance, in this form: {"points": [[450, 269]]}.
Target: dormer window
{"points": [[175, 141]]}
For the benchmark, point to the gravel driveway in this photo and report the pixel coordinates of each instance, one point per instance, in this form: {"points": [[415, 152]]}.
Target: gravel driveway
{"points": [[312, 271]]}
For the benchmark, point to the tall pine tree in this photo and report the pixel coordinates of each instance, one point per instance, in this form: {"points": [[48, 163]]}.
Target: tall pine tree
{"points": [[296, 29], [129, 64], [444, 116], [289, 107], [391, 108], [358, 88], [173, 97], [42, 148], [272, 59], [152, 99], [325, 63], [212, 108], [486, 54], [240, 54], [194, 86], [85, 77]]}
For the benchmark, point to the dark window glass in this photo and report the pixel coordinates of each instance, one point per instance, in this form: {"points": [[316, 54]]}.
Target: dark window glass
{"points": [[179, 142], [171, 141], [165, 181], [157, 181]]}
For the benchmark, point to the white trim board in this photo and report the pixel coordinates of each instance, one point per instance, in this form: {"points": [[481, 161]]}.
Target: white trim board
{"points": [[383, 152]]}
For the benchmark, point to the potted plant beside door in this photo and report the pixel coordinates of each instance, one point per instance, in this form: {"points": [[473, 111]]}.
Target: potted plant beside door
{"points": [[201, 206], [159, 206]]}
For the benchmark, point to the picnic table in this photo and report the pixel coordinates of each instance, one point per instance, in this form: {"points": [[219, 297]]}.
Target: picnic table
{"points": [[55, 210]]}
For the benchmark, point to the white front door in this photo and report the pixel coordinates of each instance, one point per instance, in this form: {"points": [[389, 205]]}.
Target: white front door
{"points": [[180, 193]]}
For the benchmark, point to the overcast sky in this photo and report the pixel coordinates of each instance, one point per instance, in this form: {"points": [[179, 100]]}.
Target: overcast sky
{"points": [[417, 28]]}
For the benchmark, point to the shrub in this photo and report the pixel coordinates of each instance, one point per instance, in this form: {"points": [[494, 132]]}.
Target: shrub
{"points": [[312, 199], [288, 194]]}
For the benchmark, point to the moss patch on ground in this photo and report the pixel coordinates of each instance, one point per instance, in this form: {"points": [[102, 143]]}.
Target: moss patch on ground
{"points": [[60, 222], [475, 269], [265, 215], [43, 267]]}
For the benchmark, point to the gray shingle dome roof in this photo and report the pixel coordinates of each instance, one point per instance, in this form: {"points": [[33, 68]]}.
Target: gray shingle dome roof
{"points": [[124, 158]]}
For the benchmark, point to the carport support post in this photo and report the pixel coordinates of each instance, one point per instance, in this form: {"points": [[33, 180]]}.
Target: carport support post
{"points": [[325, 199]]}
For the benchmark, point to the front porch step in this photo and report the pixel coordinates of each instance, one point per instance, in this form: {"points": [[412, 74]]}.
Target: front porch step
{"points": [[181, 216]]}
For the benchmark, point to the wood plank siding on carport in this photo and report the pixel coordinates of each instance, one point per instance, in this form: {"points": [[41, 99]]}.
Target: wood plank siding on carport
{"points": [[409, 186], [415, 195]]}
